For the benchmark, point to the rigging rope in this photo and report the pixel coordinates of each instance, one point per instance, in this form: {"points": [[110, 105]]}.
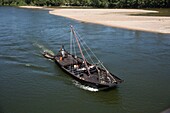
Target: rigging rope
{"points": [[85, 50], [81, 43], [91, 51]]}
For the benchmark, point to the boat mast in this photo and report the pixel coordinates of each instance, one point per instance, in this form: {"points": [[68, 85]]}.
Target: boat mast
{"points": [[72, 30]]}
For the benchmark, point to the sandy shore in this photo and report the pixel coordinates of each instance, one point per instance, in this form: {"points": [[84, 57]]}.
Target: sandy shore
{"points": [[119, 18]]}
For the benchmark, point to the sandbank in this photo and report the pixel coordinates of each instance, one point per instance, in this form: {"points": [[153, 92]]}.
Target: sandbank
{"points": [[119, 18]]}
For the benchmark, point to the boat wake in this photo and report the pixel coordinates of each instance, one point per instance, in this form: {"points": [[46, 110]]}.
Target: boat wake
{"points": [[88, 88], [43, 48]]}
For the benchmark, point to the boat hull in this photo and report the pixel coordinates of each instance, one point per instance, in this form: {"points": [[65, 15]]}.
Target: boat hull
{"points": [[83, 81], [87, 83]]}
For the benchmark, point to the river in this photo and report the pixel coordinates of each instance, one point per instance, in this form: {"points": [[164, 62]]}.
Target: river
{"points": [[29, 83]]}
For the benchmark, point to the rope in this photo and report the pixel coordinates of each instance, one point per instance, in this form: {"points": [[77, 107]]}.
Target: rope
{"points": [[85, 50], [92, 52], [85, 44]]}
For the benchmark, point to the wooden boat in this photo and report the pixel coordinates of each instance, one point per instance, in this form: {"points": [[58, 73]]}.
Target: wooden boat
{"points": [[90, 74]]}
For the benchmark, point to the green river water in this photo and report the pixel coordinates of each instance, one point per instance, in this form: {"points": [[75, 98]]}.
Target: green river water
{"points": [[29, 83]]}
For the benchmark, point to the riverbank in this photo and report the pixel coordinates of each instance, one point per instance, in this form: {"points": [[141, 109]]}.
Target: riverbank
{"points": [[119, 18]]}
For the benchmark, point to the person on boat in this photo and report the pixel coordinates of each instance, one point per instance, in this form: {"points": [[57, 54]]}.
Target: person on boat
{"points": [[83, 64], [62, 51], [76, 66]]}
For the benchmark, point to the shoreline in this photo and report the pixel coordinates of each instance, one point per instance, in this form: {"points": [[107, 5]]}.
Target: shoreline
{"points": [[37, 7], [119, 18], [31, 7]]}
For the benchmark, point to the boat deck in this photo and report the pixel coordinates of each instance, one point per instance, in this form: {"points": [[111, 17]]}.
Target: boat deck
{"points": [[69, 60], [76, 67]]}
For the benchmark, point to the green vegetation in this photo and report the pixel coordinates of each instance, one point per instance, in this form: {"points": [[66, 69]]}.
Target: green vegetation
{"points": [[92, 3]]}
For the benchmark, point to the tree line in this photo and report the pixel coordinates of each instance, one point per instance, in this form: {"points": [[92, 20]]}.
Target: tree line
{"points": [[92, 3]]}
